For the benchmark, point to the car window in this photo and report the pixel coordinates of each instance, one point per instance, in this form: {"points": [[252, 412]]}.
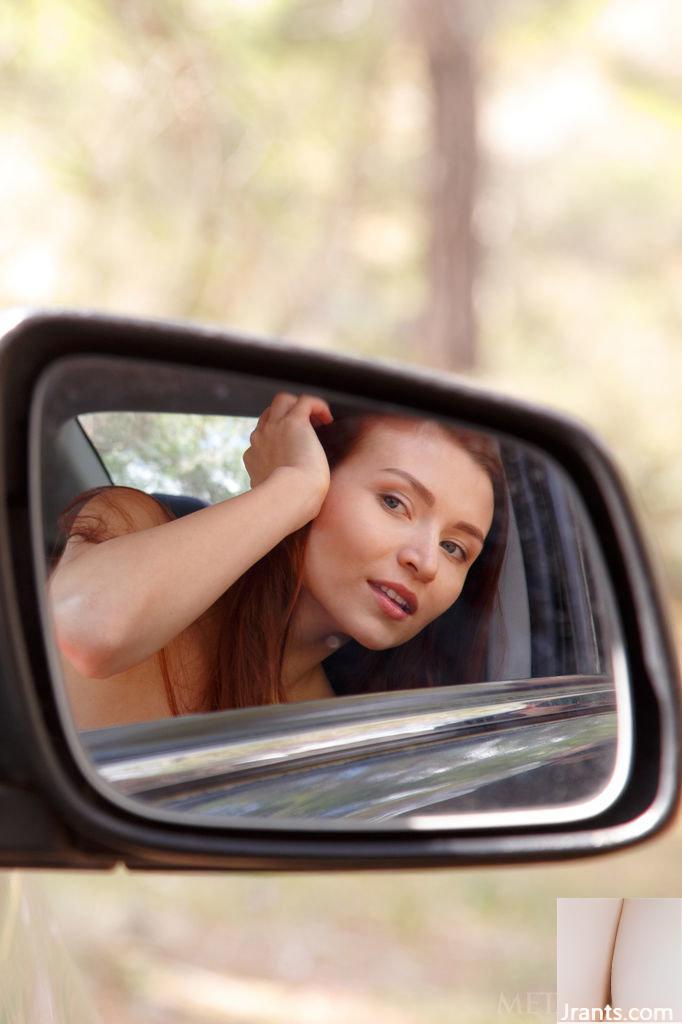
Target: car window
{"points": [[175, 453], [547, 622]]}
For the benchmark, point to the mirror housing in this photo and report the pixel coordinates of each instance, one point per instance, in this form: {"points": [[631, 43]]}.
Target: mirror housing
{"points": [[51, 814]]}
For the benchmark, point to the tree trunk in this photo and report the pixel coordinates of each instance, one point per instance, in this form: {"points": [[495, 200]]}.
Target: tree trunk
{"points": [[448, 31]]}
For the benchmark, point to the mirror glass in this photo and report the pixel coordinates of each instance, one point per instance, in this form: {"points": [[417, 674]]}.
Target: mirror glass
{"points": [[282, 604]]}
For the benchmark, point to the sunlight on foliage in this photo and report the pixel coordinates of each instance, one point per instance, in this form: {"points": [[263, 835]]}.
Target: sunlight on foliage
{"points": [[263, 164], [173, 453]]}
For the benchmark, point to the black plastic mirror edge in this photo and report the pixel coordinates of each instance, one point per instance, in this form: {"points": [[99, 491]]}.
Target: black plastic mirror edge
{"points": [[49, 814]]}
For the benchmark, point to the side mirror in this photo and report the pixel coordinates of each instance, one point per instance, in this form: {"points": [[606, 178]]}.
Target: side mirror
{"points": [[499, 683]]}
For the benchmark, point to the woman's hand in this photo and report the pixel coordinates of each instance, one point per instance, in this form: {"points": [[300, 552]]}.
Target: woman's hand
{"points": [[284, 438]]}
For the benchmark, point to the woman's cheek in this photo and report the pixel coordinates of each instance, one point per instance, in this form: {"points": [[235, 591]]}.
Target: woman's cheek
{"points": [[357, 535], [449, 597]]}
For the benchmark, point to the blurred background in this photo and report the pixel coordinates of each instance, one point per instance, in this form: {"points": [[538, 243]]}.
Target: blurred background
{"points": [[489, 187]]}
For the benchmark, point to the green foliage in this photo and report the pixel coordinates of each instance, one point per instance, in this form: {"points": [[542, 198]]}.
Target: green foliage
{"points": [[207, 151], [264, 165], [173, 453], [579, 293]]}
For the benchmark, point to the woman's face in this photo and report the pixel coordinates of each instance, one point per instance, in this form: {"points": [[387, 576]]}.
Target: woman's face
{"points": [[405, 517]]}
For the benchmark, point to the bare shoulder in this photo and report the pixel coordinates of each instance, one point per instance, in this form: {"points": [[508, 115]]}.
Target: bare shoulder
{"points": [[108, 512], [118, 510], [140, 693]]}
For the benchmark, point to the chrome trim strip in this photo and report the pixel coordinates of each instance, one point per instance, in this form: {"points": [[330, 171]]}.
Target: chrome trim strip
{"points": [[233, 746]]}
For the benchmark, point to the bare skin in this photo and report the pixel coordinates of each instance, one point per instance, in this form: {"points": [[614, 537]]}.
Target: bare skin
{"points": [[371, 526], [110, 602]]}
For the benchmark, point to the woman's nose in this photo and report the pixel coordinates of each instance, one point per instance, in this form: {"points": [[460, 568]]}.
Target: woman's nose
{"points": [[421, 559]]}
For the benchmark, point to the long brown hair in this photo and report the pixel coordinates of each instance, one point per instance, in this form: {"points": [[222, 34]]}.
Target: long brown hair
{"points": [[454, 647], [255, 613]]}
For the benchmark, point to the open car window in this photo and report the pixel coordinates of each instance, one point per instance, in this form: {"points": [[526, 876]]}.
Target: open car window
{"points": [[547, 621]]}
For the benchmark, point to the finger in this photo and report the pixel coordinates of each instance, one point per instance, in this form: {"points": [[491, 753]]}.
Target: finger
{"points": [[281, 405], [314, 409], [264, 417]]}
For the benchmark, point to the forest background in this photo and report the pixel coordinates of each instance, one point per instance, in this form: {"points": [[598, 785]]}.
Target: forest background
{"points": [[491, 188]]}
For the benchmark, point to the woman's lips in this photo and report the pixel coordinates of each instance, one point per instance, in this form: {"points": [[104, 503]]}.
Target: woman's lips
{"points": [[387, 604]]}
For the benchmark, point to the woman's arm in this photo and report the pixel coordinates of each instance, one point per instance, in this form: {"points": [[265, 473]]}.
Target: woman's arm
{"points": [[116, 603]]}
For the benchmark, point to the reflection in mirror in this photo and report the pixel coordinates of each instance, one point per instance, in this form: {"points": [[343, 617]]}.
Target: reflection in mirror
{"points": [[286, 605]]}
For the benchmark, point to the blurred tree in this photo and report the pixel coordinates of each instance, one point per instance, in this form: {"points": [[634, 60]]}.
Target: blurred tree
{"points": [[448, 32], [260, 163]]}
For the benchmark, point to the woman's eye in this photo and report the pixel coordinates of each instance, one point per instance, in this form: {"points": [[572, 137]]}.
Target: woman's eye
{"points": [[455, 549], [391, 502]]}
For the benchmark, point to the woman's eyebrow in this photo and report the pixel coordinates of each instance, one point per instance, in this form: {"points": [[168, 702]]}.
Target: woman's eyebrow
{"points": [[429, 499], [419, 487]]}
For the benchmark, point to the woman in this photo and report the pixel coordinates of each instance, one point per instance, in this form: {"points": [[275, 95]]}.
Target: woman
{"points": [[357, 535]]}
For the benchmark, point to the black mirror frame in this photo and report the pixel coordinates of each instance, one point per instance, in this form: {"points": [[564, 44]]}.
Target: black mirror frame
{"points": [[50, 814]]}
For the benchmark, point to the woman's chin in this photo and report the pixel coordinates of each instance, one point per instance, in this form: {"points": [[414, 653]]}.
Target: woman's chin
{"points": [[376, 640], [368, 631]]}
